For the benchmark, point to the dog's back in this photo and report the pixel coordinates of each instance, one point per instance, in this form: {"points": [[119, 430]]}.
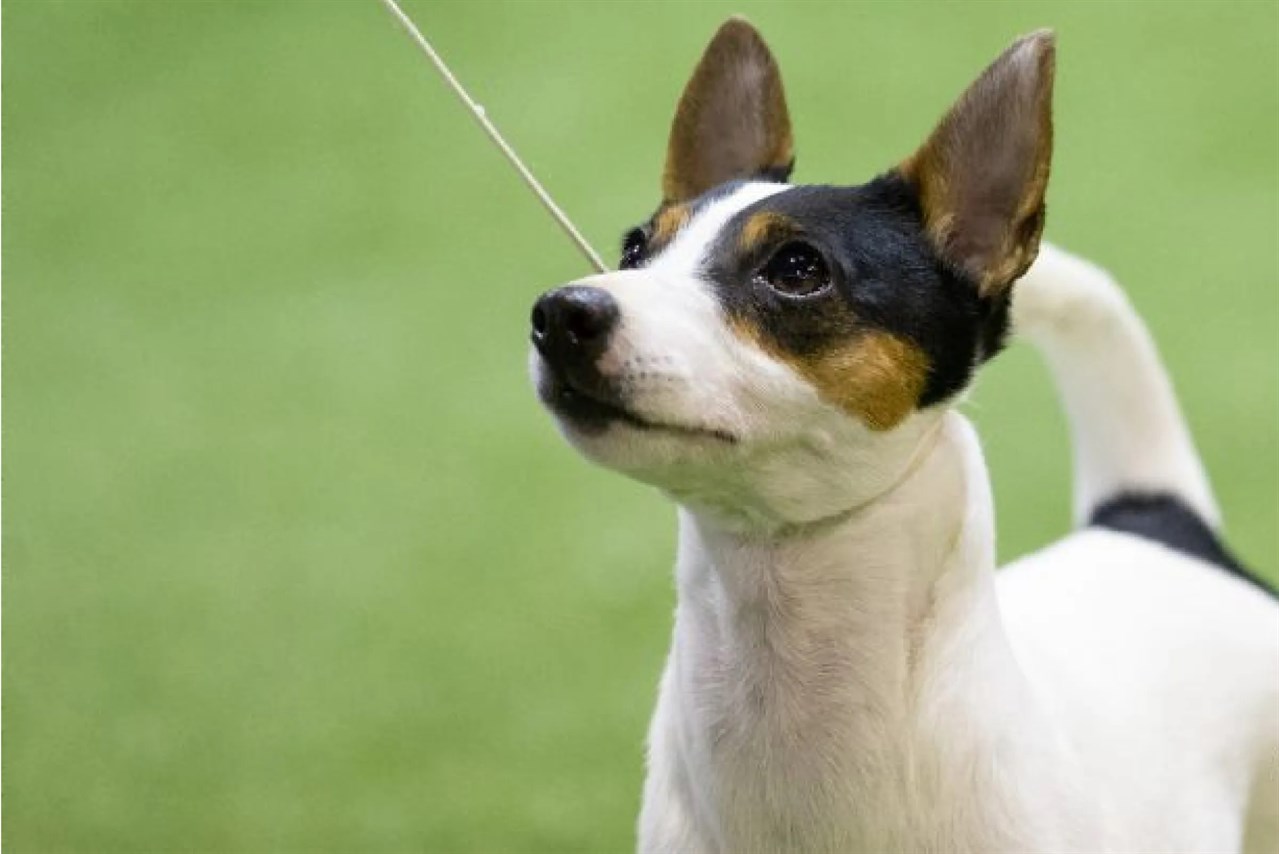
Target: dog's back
{"points": [[1155, 649]]}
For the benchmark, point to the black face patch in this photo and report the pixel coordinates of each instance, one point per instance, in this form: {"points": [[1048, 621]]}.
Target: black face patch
{"points": [[885, 278]]}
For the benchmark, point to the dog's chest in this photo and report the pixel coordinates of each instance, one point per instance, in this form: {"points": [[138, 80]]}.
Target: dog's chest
{"points": [[811, 714], [796, 752], [793, 736], [779, 778]]}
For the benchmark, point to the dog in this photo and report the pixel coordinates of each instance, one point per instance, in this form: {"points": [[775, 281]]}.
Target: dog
{"points": [[848, 673]]}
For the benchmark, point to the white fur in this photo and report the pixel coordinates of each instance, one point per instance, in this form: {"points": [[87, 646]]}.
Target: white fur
{"points": [[1125, 424], [848, 673]]}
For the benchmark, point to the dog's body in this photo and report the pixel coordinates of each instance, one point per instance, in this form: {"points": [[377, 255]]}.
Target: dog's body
{"points": [[875, 686], [847, 671]]}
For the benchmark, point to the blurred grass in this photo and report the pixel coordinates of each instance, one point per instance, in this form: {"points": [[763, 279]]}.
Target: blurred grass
{"points": [[293, 561]]}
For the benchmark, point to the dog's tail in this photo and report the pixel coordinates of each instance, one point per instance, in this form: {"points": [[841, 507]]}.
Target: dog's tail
{"points": [[1130, 439]]}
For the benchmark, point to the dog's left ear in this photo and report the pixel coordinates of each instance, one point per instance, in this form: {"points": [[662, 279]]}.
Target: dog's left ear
{"points": [[982, 174], [732, 121]]}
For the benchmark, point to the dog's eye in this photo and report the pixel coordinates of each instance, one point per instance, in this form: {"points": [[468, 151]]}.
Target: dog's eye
{"points": [[634, 245], [796, 270]]}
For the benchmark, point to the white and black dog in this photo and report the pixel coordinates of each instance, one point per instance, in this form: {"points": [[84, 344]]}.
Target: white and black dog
{"points": [[848, 673]]}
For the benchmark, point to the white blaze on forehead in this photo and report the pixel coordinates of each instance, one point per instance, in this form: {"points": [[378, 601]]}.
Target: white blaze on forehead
{"points": [[688, 250]]}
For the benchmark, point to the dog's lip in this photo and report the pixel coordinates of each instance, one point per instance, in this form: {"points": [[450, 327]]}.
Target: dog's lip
{"points": [[565, 397]]}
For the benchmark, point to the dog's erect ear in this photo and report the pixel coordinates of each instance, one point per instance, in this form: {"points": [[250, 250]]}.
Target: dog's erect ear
{"points": [[982, 174], [731, 122]]}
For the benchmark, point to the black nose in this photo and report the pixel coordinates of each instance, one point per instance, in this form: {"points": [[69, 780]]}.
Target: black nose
{"points": [[571, 325]]}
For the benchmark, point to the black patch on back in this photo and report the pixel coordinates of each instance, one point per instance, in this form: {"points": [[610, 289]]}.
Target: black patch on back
{"points": [[886, 274], [1167, 519]]}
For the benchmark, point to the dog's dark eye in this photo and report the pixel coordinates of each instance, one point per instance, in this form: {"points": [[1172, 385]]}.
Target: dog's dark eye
{"points": [[634, 244], [796, 270]]}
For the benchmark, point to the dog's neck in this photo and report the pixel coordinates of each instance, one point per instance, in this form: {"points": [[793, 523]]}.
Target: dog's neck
{"points": [[874, 571], [832, 664], [807, 487]]}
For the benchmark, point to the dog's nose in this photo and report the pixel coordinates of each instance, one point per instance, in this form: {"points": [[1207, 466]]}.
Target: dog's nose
{"points": [[571, 325]]}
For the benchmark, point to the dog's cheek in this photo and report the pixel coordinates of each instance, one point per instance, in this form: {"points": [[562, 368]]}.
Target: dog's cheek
{"points": [[875, 376], [878, 378]]}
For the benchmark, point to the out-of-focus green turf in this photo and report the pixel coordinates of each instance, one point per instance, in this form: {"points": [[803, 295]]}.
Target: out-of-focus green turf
{"points": [[292, 559]]}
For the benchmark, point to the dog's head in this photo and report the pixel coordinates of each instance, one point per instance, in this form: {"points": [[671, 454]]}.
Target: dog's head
{"points": [[777, 352]]}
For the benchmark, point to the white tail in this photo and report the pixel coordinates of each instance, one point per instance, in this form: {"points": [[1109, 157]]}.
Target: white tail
{"points": [[1127, 430]]}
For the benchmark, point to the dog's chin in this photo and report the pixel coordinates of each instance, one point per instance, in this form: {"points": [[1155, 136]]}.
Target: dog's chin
{"points": [[655, 457], [614, 433]]}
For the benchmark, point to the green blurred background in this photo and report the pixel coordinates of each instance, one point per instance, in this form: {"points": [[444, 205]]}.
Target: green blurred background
{"points": [[293, 562]]}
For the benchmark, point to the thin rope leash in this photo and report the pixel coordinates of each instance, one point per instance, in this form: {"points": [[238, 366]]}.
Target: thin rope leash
{"points": [[480, 116]]}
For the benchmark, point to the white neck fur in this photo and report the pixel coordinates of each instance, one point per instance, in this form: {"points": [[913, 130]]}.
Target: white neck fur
{"points": [[819, 693]]}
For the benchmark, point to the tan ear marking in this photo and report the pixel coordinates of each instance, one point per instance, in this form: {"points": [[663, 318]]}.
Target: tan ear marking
{"points": [[732, 121], [982, 174]]}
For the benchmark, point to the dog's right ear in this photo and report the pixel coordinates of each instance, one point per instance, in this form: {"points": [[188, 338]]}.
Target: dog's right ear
{"points": [[732, 121]]}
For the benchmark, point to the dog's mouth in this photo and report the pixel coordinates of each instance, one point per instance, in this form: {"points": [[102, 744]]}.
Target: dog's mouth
{"points": [[594, 411]]}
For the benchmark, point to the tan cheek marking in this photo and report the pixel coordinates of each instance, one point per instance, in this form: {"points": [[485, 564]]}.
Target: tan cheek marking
{"points": [[760, 228], [876, 376]]}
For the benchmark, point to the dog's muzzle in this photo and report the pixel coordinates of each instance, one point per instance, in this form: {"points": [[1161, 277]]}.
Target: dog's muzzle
{"points": [[572, 327], [571, 330]]}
